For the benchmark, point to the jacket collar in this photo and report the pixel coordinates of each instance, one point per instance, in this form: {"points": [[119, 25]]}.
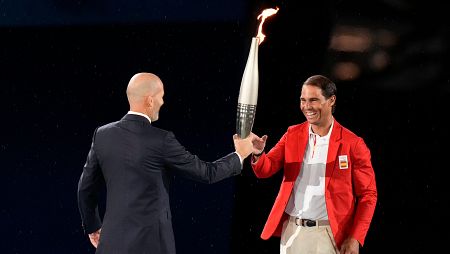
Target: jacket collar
{"points": [[336, 132], [303, 135], [136, 118]]}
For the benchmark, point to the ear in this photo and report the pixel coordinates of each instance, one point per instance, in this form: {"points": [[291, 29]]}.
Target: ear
{"points": [[149, 101], [332, 100]]}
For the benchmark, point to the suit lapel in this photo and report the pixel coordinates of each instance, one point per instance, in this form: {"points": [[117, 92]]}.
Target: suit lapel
{"points": [[295, 151], [302, 142], [296, 145], [333, 148]]}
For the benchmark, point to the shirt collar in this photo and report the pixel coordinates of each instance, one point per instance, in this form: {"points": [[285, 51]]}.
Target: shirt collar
{"points": [[311, 133], [139, 114]]}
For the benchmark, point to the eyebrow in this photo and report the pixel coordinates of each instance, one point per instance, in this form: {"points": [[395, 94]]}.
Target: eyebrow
{"points": [[312, 98]]}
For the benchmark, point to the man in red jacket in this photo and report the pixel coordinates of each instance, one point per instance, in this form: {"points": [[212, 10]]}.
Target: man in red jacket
{"points": [[328, 194]]}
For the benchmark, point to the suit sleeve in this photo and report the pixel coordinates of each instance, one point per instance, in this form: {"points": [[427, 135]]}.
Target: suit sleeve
{"points": [[269, 164], [190, 166], [88, 187], [365, 190]]}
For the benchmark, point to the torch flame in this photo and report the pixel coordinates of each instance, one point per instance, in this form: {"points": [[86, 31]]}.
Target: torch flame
{"points": [[264, 14]]}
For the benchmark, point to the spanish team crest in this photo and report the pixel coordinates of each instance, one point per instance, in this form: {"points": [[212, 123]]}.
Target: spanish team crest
{"points": [[343, 162]]}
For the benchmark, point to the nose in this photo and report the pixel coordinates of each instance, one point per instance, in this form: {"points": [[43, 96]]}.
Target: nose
{"points": [[305, 105]]}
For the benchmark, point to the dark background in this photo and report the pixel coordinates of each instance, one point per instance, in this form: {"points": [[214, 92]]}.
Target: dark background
{"points": [[65, 66]]}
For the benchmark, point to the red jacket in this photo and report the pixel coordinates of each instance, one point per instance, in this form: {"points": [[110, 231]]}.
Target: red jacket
{"points": [[350, 194]]}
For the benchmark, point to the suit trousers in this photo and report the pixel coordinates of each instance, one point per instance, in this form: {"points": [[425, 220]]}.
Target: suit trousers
{"points": [[306, 240]]}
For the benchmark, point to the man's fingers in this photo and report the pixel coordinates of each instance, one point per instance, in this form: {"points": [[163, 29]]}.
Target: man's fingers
{"points": [[264, 138]]}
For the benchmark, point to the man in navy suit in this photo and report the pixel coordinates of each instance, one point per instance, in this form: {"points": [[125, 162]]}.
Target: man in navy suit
{"points": [[135, 161]]}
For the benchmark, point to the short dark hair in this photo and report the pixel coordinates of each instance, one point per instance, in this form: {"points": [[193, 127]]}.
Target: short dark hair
{"points": [[325, 84]]}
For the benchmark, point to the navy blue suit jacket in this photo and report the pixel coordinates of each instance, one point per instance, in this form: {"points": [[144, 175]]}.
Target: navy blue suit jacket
{"points": [[135, 160]]}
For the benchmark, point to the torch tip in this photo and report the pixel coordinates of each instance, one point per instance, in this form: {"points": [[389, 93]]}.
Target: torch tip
{"points": [[264, 14]]}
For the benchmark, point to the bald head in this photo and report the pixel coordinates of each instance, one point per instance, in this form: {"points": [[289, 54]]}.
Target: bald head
{"points": [[141, 85], [142, 91]]}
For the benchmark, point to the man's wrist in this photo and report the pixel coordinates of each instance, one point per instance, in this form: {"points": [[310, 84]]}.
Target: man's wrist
{"points": [[240, 157]]}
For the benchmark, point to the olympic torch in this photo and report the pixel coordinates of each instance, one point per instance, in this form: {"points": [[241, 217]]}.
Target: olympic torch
{"points": [[248, 93]]}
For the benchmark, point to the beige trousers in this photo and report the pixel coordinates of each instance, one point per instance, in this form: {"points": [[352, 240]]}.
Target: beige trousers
{"points": [[306, 240]]}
